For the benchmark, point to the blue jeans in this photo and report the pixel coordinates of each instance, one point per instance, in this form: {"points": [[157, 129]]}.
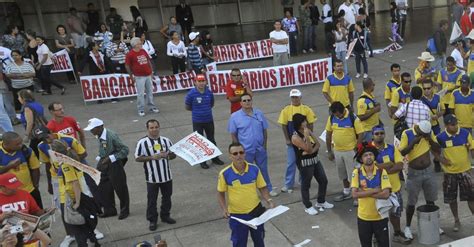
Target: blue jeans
{"points": [[260, 158], [240, 232], [342, 56], [439, 62], [5, 122], [308, 37], [8, 103], [290, 167], [292, 40], [144, 86]]}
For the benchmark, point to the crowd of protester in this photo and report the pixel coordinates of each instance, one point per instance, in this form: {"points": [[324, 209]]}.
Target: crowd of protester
{"points": [[368, 167]]}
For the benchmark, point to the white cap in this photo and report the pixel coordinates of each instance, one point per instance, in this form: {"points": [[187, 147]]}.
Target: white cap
{"points": [[94, 122], [425, 126], [193, 35], [295, 92]]}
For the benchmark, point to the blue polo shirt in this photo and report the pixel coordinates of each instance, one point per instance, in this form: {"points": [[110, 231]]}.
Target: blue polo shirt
{"points": [[201, 105], [249, 129]]}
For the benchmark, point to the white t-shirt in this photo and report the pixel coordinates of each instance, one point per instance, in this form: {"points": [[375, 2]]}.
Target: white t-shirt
{"points": [[402, 3], [178, 50], [42, 51], [458, 58], [349, 13], [326, 10], [277, 48]]}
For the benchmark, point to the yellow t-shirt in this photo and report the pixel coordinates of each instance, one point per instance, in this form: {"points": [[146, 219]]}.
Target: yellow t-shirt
{"points": [[470, 63], [22, 172], [390, 154], [456, 148], [463, 106], [399, 96], [66, 175], [449, 81], [344, 131], [367, 209], [71, 142], [419, 149], [286, 116], [241, 188], [339, 88], [363, 105], [392, 85]]}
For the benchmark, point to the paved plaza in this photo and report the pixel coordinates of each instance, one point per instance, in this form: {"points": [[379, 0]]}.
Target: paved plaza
{"points": [[195, 207]]}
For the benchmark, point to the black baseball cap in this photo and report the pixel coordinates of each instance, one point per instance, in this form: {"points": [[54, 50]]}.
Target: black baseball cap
{"points": [[450, 119]]}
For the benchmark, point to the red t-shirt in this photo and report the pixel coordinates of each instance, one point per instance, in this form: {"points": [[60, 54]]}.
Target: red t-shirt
{"points": [[234, 89], [68, 127], [466, 24], [21, 201], [139, 62]]}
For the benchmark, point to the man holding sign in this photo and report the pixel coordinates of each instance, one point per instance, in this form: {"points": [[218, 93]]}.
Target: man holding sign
{"points": [[153, 151], [240, 180]]}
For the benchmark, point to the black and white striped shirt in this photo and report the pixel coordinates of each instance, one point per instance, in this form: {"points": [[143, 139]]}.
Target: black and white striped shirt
{"points": [[156, 171]]}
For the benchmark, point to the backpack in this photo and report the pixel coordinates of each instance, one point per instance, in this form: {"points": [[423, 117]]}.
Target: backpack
{"points": [[431, 45]]}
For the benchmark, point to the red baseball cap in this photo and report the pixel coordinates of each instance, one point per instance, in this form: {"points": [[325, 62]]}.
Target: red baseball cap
{"points": [[200, 77], [10, 181]]}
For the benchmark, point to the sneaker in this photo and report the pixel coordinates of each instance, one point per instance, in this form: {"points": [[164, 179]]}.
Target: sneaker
{"points": [[366, 76], [311, 50], [274, 192], [40, 90], [311, 211], [304, 51], [441, 231], [67, 241], [342, 197], [407, 233], [141, 113], [457, 226], [355, 203], [325, 205], [401, 239], [155, 110], [98, 235], [286, 190], [357, 75], [204, 165]]}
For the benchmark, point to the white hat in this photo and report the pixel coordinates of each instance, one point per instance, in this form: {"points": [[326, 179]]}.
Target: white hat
{"points": [[426, 56], [193, 35], [295, 92], [94, 122], [425, 126], [470, 35]]}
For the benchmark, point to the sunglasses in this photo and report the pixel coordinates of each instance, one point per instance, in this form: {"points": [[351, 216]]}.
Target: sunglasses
{"points": [[235, 75], [237, 153], [246, 100], [426, 88], [379, 133]]}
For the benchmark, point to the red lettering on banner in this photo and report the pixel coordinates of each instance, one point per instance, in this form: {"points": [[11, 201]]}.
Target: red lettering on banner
{"points": [[86, 89], [123, 86], [113, 86], [223, 79], [170, 82], [213, 82], [223, 54], [287, 76], [95, 89], [266, 47], [131, 86], [254, 50], [63, 61], [154, 84], [104, 87]]}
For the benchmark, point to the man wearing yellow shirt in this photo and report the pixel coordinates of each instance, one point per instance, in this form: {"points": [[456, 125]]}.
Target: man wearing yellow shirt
{"points": [[401, 95], [368, 109], [457, 147], [462, 104], [343, 129], [449, 79], [339, 86], [240, 181], [20, 160], [393, 83], [368, 184], [390, 159], [286, 121], [416, 144]]}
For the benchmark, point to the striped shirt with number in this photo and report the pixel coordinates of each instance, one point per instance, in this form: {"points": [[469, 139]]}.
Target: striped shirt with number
{"points": [[156, 171]]}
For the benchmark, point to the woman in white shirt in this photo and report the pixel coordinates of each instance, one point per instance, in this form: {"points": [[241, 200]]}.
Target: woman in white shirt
{"points": [[340, 35], [148, 47], [44, 65], [177, 51], [21, 74]]}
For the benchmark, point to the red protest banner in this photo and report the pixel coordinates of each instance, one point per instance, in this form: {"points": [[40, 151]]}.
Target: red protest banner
{"points": [[101, 87], [243, 51]]}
